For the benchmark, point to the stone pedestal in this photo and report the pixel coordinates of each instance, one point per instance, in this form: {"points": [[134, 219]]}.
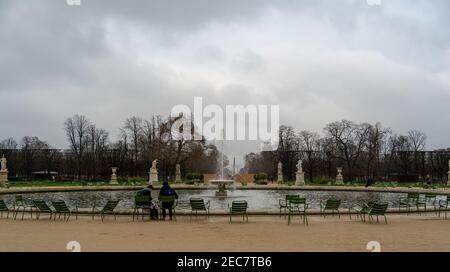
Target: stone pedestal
{"points": [[3, 178], [448, 178], [280, 172], [339, 177], [300, 178], [178, 174], [153, 176], [113, 180]]}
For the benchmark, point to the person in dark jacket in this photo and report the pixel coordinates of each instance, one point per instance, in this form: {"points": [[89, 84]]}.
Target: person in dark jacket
{"points": [[147, 191], [166, 190]]}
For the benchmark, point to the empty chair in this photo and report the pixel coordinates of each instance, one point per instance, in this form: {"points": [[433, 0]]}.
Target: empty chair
{"points": [[411, 200], [284, 202], [297, 206], [62, 209], [199, 205], [443, 205], [107, 209], [377, 209], [5, 208], [42, 207], [431, 200], [331, 205], [361, 208], [239, 208], [20, 203]]}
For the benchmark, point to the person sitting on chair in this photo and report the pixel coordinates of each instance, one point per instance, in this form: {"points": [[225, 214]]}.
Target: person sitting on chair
{"points": [[147, 191], [166, 190]]}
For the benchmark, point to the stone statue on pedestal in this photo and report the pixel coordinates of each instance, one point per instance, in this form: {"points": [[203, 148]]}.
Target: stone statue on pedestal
{"points": [[3, 171], [280, 172], [300, 175], [339, 177], [153, 173]]}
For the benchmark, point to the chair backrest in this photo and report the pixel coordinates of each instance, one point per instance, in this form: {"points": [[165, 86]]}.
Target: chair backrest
{"points": [[18, 200], [430, 195], [413, 196], [378, 209], [297, 201], [110, 205], [239, 206], [42, 205], [60, 206], [197, 204], [141, 200], [3, 206], [289, 197], [167, 199], [332, 204]]}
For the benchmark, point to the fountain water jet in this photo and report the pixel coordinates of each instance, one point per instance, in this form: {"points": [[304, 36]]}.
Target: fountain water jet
{"points": [[221, 182]]}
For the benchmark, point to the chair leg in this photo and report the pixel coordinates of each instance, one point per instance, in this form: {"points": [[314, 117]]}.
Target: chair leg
{"points": [[385, 219]]}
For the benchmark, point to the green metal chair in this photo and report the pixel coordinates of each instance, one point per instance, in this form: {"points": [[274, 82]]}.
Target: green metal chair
{"points": [[361, 208], [378, 209], [62, 209], [297, 206], [443, 205], [5, 208], [167, 200], [199, 205], [239, 208], [331, 205], [430, 198], [411, 200], [42, 207], [141, 202], [107, 209], [284, 202], [20, 203]]}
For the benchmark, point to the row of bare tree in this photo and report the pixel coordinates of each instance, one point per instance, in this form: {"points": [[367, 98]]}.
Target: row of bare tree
{"points": [[363, 150], [92, 154]]}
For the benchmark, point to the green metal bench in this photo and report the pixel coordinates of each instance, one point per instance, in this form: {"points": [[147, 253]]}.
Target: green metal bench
{"points": [[378, 209], [167, 200], [199, 205], [284, 202], [239, 208], [297, 206], [42, 207], [107, 209], [141, 202], [62, 209], [5, 208], [332, 206]]}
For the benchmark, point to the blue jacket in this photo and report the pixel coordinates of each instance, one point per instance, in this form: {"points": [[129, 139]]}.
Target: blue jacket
{"points": [[166, 190]]}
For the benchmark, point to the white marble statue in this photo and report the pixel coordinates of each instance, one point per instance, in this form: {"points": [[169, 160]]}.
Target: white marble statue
{"points": [[3, 164], [154, 162], [300, 166]]}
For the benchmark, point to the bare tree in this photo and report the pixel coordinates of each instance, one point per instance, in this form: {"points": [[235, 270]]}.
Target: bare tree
{"points": [[8, 143], [133, 128], [77, 129], [350, 139], [310, 145]]}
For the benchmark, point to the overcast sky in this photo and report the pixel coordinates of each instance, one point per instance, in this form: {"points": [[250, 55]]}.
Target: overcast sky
{"points": [[320, 60]]}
